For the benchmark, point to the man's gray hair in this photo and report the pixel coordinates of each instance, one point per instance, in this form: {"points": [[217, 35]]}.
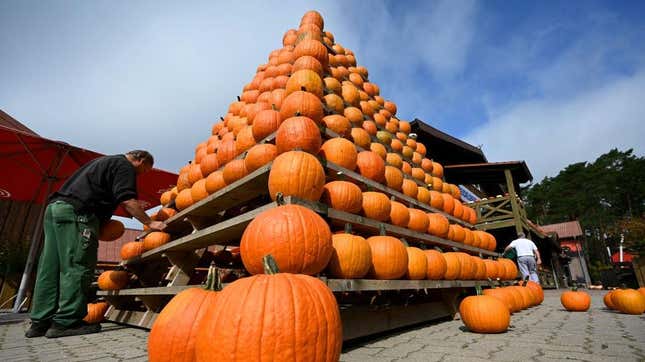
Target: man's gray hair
{"points": [[141, 155], [521, 235]]}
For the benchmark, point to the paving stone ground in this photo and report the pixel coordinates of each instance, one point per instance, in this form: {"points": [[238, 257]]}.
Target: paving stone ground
{"points": [[543, 333]]}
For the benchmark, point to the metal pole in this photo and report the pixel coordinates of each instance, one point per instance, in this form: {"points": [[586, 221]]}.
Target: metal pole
{"points": [[31, 257], [37, 237]]}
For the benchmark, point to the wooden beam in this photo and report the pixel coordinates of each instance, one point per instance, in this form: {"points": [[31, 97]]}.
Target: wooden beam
{"points": [[514, 204]]}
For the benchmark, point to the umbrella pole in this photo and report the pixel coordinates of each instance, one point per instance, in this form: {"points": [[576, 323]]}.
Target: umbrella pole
{"points": [[37, 237], [34, 247]]}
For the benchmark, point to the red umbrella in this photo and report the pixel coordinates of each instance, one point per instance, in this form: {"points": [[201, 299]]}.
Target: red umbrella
{"points": [[37, 167], [34, 167]]}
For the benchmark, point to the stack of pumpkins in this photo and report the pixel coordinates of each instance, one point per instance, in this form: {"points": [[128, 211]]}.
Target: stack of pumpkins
{"points": [[628, 301], [490, 311], [310, 83]]}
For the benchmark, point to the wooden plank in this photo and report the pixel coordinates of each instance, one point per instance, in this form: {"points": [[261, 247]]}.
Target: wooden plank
{"points": [[143, 319], [222, 233], [336, 285], [496, 225], [398, 195], [393, 230], [171, 290], [243, 190], [354, 285], [361, 321]]}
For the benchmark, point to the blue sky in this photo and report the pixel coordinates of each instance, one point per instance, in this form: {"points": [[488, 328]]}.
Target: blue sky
{"points": [[550, 83]]}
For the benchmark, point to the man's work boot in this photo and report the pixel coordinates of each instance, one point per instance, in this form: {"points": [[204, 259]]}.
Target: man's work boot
{"points": [[37, 329], [56, 330]]}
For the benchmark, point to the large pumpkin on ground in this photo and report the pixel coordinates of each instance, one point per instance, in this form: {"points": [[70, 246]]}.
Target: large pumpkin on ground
{"points": [[274, 317], [296, 173], [351, 258], [298, 238], [628, 301], [484, 314], [95, 312], [173, 334], [575, 301], [389, 257]]}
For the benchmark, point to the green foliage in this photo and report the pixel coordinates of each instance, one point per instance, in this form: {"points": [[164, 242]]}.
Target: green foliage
{"points": [[606, 196]]}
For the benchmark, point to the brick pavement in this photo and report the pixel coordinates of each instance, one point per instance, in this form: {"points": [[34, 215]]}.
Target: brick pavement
{"points": [[543, 333]]}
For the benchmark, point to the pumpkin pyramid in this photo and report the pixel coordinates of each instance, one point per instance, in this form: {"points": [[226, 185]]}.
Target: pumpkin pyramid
{"points": [[312, 112]]}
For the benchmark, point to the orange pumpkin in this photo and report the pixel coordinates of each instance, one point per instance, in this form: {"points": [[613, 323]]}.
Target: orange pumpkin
{"points": [[399, 214], [341, 152], [303, 104], [155, 239], [629, 301], [214, 182], [393, 177], [300, 133], [113, 280], [298, 238], [575, 301], [172, 337], [111, 230], [296, 173], [418, 220], [371, 166], [343, 195], [417, 264], [265, 123], [351, 258], [484, 314], [438, 225], [376, 205], [453, 266], [131, 249], [338, 124], [437, 265], [258, 156], [305, 80], [389, 257], [245, 322], [95, 312]]}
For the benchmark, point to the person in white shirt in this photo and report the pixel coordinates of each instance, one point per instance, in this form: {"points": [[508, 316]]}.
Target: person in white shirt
{"points": [[528, 256]]}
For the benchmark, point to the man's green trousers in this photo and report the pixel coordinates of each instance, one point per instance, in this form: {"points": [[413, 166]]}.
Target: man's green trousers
{"points": [[66, 266]]}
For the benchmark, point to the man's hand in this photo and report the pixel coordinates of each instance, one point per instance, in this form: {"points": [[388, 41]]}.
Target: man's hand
{"points": [[539, 262], [157, 225]]}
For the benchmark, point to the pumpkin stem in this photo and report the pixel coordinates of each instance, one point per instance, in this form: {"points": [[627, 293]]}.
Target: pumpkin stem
{"points": [[222, 118], [490, 282], [478, 289], [348, 228], [273, 107], [238, 98], [213, 281], [381, 229], [270, 266], [279, 198], [302, 88]]}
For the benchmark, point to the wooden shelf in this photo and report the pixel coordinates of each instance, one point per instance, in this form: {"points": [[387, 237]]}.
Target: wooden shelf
{"points": [[336, 285], [377, 226], [223, 233], [398, 195]]}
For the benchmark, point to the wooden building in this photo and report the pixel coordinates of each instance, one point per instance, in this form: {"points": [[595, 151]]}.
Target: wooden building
{"points": [[493, 189]]}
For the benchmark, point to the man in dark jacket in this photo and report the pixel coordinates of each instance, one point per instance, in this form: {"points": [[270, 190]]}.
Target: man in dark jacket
{"points": [[72, 220]]}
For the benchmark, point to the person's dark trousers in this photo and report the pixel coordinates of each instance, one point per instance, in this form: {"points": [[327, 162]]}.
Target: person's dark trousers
{"points": [[66, 266]]}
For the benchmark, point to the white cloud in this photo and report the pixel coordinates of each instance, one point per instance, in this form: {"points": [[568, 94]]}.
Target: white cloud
{"points": [[553, 132]]}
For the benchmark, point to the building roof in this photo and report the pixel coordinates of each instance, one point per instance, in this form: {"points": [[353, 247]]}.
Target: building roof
{"points": [[488, 175], [110, 251], [444, 148], [569, 229]]}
